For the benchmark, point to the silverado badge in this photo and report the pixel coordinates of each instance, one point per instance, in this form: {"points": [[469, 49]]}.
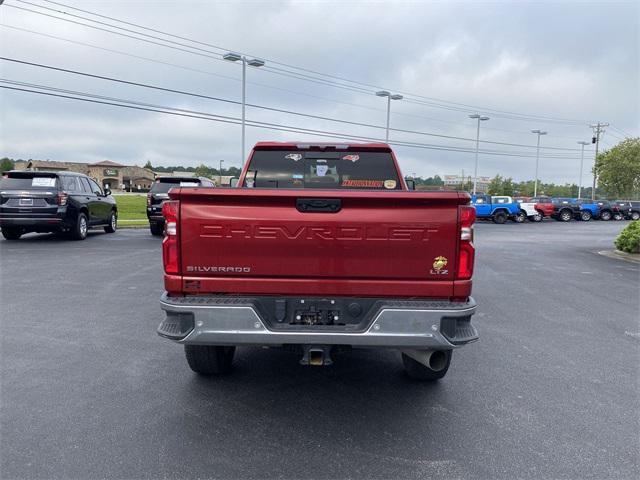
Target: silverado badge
{"points": [[439, 264]]}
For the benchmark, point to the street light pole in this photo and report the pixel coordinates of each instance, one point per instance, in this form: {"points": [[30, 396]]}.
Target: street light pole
{"points": [[535, 185], [480, 118], [581, 162], [390, 96], [253, 62], [220, 172]]}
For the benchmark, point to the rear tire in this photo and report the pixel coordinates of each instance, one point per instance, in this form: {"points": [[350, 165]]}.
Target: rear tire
{"points": [[113, 223], [585, 216], [500, 218], [618, 216], [605, 216], [156, 229], [536, 218], [11, 233], [209, 359], [79, 232], [635, 215], [520, 217], [418, 371]]}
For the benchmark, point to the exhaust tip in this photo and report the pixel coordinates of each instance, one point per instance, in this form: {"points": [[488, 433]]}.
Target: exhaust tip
{"points": [[437, 361]]}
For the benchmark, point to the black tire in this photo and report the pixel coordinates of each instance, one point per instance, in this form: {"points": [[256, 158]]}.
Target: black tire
{"points": [[618, 216], [11, 233], [499, 218], [565, 215], [418, 371], [156, 229], [113, 223], [209, 359], [81, 228], [537, 217], [585, 215], [605, 216], [520, 217], [635, 215]]}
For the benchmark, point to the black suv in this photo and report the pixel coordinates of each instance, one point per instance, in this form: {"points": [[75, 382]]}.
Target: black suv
{"points": [[62, 202], [160, 192], [629, 209]]}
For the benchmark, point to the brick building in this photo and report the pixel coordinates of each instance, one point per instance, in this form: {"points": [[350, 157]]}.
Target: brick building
{"points": [[117, 176]]}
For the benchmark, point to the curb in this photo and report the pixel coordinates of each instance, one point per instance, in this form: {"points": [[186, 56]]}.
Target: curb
{"points": [[618, 255]]}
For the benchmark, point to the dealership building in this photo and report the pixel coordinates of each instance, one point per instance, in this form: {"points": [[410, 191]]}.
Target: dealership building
{"points": [[116, 176]]}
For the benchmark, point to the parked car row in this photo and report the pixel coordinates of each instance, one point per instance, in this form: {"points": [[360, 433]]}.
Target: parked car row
{"points": [[499, 209]]}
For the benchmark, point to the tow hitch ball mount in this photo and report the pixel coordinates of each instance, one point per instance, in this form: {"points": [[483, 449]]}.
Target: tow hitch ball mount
{"points": [[316, 355]]}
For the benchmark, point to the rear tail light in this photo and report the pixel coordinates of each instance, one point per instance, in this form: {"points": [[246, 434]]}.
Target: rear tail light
{"points": [[466, 251], [63, 197], [148, 199], [170, 245]]}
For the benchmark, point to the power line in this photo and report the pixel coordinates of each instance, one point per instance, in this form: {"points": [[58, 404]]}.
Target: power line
{"points": [[206, 72], [455, 106], [219, 99], [92, 98]]}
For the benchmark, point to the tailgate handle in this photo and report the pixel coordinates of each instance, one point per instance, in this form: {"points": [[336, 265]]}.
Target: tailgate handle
{"points": [[312, 205]]}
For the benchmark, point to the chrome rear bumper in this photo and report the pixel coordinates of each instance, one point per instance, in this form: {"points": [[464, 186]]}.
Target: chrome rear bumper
{"points": [[400, 324]]}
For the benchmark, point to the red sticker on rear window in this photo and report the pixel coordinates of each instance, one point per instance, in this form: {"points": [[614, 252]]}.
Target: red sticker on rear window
{"points": [[353, 158], [363, 183]]}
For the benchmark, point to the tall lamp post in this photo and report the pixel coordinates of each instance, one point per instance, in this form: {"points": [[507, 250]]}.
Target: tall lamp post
{"points": [[535, 185], [480, 118], [581, 162], [220, 172], [253, 62], [390, 96]]}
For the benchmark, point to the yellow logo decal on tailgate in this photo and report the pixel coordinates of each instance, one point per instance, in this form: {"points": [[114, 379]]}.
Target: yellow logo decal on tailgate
{"points": [[439, 263]]}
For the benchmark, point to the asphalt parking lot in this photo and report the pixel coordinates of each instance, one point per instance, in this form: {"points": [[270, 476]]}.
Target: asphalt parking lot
{"points": [[551, 389]]}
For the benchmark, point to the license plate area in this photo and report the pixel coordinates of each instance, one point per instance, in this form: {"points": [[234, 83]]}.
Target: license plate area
{"points": [[26, 202], [316, 312]]}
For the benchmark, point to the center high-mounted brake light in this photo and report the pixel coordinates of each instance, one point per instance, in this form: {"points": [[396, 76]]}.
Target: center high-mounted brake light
{"points": [[170, 245], [63, 197], [466, 251]]}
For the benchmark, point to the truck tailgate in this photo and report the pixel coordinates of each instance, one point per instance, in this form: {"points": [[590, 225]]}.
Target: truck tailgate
{"points": [[273, 241]]}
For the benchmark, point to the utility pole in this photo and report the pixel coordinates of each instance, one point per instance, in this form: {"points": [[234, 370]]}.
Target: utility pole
{"points": [[480, 118], [598, 129], [535, 185], [581, 162]]}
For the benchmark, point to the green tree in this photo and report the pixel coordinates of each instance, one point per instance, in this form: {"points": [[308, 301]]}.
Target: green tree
{"points": [[6, 164], [508, 187], [495, 186], [203, 171], [618, 169], [148, 165]]}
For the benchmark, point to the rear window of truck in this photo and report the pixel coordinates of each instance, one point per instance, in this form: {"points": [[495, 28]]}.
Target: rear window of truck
{"points": [[346, 170], [165, 184], [27, 181]]}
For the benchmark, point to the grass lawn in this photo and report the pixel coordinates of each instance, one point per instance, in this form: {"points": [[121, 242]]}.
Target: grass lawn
{"points": [[132, 210]]}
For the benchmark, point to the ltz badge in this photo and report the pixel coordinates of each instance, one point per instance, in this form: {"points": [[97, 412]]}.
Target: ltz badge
{"points": [[439, 264]]}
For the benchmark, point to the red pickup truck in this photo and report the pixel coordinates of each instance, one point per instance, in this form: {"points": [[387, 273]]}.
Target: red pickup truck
{"points": [[320, 248]]}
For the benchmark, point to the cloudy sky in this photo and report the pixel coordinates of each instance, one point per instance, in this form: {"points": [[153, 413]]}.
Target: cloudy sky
{"points": [[555, 66]]}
